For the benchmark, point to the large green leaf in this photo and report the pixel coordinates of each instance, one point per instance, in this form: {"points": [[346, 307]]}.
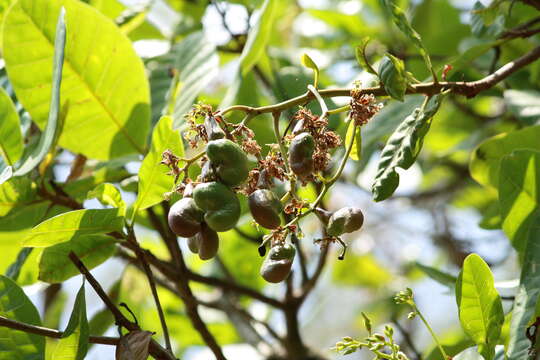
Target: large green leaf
{"points": [[527, 295], [46, 141], [486, 159], [403, 147], [104, 94], [519, 195], [480, 308], [65, 226], [393, 76], [15, 305], [198, 64], [74, 342], [11, 142], [153, 178], [55, 265]]}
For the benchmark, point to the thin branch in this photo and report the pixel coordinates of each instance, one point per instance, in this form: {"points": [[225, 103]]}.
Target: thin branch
{"points": [[52, 333], [148, 271], [468, 89], [310, 284], [156, 350]]}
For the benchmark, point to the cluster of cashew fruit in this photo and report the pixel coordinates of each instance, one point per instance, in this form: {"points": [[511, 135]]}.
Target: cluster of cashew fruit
{"points": [[210, 205]]}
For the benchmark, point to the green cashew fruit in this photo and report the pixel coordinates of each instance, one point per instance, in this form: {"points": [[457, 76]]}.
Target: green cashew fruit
{"points": [[301, 154], [228, 160], [345, 220], [208, 242], [265, 208], [277, 264], [185, 217], [213, 130], [220, 204]]}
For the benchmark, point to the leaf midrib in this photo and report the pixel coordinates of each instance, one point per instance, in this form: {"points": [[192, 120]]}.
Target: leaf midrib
{"points": [[90, 90]]}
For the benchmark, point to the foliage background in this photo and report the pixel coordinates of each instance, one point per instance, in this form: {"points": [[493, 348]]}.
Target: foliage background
{"points": [[437, 216]]}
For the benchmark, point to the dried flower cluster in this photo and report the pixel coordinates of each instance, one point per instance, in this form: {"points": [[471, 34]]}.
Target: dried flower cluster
{"points": [[363, 106], [196, 131]]}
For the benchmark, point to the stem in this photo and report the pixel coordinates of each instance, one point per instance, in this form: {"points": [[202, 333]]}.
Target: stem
{"points": [[156, 350], [141, 257], [430, 331], [324, 108], [468, 89]]}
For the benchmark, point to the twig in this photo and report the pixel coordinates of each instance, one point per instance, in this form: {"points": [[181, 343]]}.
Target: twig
{"points": [[148, 271], [468, 89], [52, 333], [310, 284], [156, 350]]}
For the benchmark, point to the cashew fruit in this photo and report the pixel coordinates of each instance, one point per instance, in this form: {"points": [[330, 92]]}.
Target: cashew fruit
{"points": [[185, 217], [228, 160], [219, 203], [265, 208], [213, 130], [301, 154], [345, 220], [204, 243], [277, 264]]}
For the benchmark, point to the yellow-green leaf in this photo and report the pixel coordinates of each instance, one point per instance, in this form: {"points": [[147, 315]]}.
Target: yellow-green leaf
{"points": [[480, 308], [11, 142], [65, 226], [104, 93], [309, 63], [153, 178], [108, 194], [74, 342], [356, 151]]}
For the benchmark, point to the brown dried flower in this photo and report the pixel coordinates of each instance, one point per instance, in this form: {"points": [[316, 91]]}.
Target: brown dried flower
{"points": [[363, 106]]}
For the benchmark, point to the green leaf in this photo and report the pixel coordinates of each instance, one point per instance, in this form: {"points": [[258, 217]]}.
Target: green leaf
{"points": [[74, 342], [197, 63], [438, 275], [65, 226], [486, 159], [309, 63], [15, 305], [55, 265], [153, 178], [14, 270], [356, 151], [393, 76], [108, 194], [258, 37], [524, 104], [360, 53], [480, 308], [403, 147], [106, 109], [50, 133], [519, 195], [11, 142], [527, 295], [15, 193], [399, 18]]}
